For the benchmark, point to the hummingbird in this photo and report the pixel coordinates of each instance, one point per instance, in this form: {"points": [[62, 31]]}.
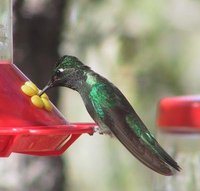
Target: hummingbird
{"points": [[112, 112]]}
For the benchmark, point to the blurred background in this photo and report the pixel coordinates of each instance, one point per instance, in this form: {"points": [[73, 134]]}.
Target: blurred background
{"points": [[149, 49]]}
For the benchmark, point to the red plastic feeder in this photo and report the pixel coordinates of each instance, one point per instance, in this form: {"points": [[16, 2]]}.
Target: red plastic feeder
{"points": [[26, 129], [181, 113]]}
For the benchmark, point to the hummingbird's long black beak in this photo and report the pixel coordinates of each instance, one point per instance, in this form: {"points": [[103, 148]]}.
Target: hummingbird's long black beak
{"points": [[48, 86]]}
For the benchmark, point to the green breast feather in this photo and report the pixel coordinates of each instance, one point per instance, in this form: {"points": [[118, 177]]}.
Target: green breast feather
{"points": [[101, 98]]}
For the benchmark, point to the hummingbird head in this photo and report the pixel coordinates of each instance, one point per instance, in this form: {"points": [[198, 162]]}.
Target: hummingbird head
{"points": [[69, 72]]}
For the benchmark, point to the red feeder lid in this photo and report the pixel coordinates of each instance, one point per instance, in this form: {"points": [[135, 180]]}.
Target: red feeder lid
{"points": [[24, 128], [181, 113]]}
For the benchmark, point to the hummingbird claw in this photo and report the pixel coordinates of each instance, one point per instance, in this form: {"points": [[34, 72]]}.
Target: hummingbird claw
{"points": [[102, 131]]}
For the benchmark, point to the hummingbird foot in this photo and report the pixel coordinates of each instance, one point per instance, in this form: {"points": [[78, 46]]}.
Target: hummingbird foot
{"points": [[102, 131]]}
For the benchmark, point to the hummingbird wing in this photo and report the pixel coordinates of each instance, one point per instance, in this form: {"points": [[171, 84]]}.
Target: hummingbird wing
{"points": [[132, 134], [117, 114]]}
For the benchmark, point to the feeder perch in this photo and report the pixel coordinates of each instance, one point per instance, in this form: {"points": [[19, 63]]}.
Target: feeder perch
{"points": [[25, 128]]}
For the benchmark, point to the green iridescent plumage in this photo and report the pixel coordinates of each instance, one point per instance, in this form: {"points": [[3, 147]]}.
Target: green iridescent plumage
{"points": [[111, 111], [100, 96]]}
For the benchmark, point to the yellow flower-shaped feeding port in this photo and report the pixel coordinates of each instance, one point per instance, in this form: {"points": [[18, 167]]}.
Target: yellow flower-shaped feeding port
{"points": [[31, 90]]}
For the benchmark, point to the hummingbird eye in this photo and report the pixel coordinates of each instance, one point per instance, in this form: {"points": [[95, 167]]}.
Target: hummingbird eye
{"points": [[59, 71]]}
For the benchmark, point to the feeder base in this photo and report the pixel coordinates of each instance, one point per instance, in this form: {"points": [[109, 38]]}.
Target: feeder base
{"points": [[41, 140]]}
